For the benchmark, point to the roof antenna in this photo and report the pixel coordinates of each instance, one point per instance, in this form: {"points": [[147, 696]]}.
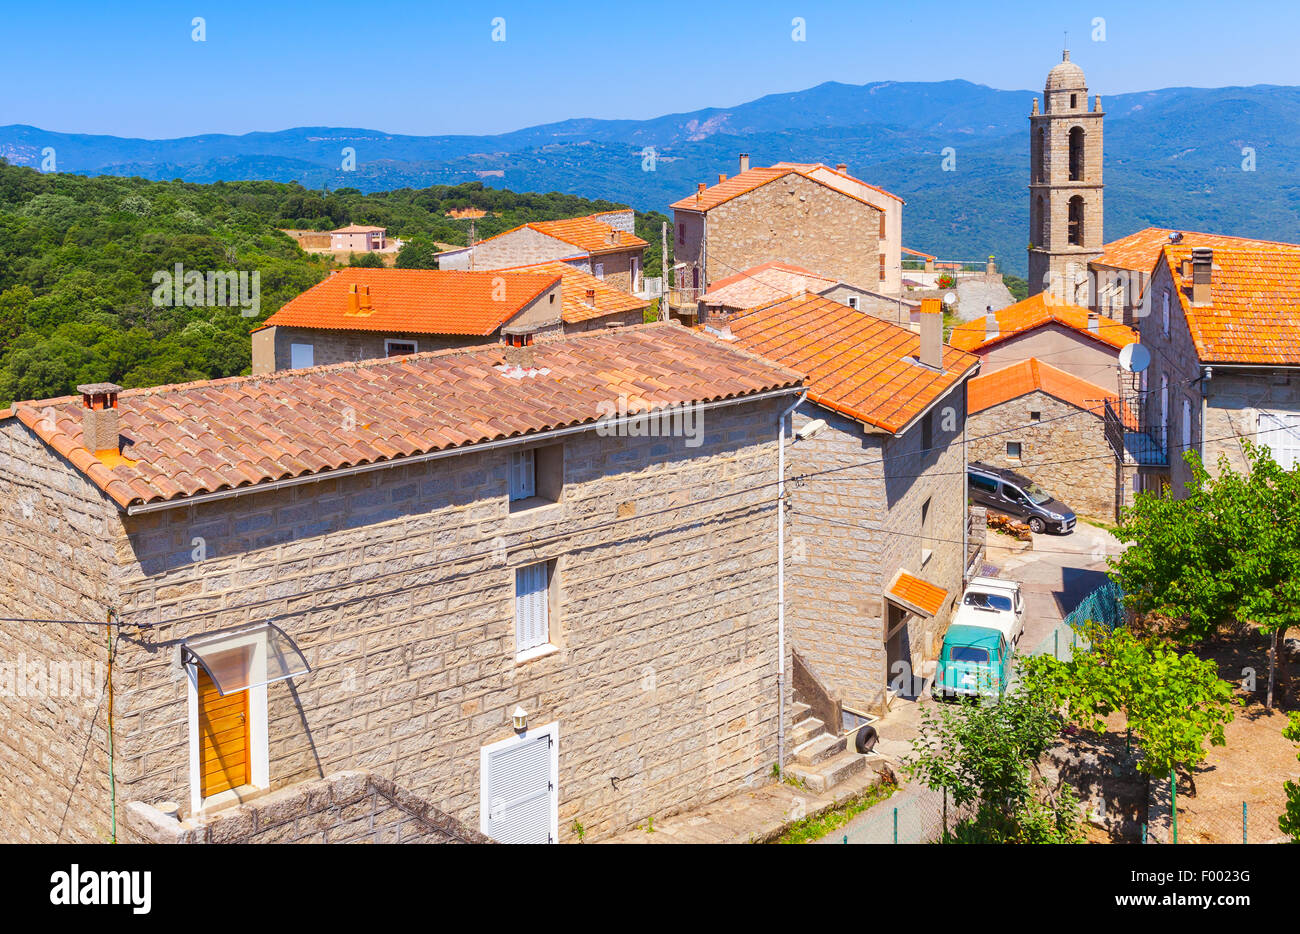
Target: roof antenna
{"points": [[1065, 51]]}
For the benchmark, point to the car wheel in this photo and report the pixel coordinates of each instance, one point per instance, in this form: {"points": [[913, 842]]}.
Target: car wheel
{"points": [[1036, 525]]}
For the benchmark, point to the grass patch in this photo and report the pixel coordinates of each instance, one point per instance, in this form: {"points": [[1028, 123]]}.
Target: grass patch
{"points": [[814, 828]]}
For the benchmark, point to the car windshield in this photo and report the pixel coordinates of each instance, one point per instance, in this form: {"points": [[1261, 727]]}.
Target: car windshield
{"points": [[988, 601], [968, 653], [1037, 495]]}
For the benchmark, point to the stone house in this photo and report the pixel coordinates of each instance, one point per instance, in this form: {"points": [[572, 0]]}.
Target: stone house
{"points": [[1224, 344], [802, 214], [877, 517], [478, 573], [588, 303], [1049, 425], [767, 282], [1069, 337], [604, 245], [361, 314]]}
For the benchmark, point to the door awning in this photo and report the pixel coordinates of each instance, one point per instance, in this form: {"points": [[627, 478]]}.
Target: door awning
{"points": [[913, 593], [246, 658]]}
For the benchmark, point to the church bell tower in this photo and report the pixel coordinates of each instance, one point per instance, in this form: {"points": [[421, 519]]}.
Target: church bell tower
{"points": [[1065, 185]]}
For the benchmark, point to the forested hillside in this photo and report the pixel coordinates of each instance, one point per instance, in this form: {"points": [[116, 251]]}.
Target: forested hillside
{"points": [[79, 256]]}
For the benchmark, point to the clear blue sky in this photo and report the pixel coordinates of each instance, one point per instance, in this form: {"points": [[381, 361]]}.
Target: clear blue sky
{"points": [[132, 69]]}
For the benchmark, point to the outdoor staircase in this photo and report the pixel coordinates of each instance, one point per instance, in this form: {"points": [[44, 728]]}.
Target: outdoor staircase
{"points": [[818, 758]]}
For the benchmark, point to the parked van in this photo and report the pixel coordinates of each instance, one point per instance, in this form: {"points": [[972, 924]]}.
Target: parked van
{"points": [[978, 649], [1012, 494]]}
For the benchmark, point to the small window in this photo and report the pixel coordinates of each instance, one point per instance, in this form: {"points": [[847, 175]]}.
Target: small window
{"points": [[1164, 311], [1074, 101], [599, 271], [533, 606], [681, 233], [399, 348], [927, 434], [301, 356], [853, 301], [882, 225], [536, 476], [927, 546], [1013, 449], [1035, 416]]}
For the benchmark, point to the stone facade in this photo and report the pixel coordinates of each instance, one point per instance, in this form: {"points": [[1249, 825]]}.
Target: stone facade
{"points": [[1062, 347], [852, 529], [792, 220], [1064, 450], [623, 269], [1210, 416], [346, 807], [1058, 262], [398, 585]]}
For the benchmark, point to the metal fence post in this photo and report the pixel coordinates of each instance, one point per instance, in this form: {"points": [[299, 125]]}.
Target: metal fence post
{"points": [[1056, 643], [895, 825], [944, 838], [1243, 822], [1144, 832], [1173, 802]]}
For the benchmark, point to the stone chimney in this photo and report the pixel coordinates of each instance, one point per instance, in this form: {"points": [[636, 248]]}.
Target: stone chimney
{"points": [[990, 323], [1094, 322], [1202, 267], [591, 296], [744, 162], [99, 421], [931, 354], [699, 191], [721, 178], [842, 168]]}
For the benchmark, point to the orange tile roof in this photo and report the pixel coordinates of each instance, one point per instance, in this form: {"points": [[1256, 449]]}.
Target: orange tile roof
{"points": [[214, 435], [808, 167], [1033, 375], [911, 252], [1254, 315], [358, 228], [586, 233], [1035, 312], [761, 285], [856, 364], [916, 594], [747, 181], [1141, 250], [577, 283], [419, 301]]}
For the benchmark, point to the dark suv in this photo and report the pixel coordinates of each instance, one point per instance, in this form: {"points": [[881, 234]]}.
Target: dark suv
{"points": [[1012, 494]]}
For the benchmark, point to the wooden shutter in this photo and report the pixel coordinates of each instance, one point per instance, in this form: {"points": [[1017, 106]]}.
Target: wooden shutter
{"points": [[1280, 432], [521, 798], [532, 626], [523, 475], [223, 738]]}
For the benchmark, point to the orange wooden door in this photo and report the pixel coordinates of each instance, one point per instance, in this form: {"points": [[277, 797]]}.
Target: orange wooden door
{"points": [[223, 738]]}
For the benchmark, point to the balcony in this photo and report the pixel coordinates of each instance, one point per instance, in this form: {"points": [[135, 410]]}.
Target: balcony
{"points": [[1133, 440]]}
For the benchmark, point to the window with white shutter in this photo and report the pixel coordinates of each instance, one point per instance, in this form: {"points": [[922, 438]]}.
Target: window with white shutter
{"points": [[518, 787], [1187, 425], [1280, 433], [523, 475], [532, 606]]}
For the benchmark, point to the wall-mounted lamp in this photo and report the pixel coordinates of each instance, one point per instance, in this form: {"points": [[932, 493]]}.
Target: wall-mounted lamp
{"points": [[520, 719]]}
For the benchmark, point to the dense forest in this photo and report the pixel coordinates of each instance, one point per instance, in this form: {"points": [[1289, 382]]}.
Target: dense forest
{"points": [[83, 260]]}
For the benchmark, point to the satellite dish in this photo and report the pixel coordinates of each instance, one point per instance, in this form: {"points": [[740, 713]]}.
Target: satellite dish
{"points": [[1135, 358], [950, 298]]}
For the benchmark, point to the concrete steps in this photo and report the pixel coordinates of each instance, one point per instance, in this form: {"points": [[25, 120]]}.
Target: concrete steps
{"points": [[830, 772], [818, 749], [804, 730]]}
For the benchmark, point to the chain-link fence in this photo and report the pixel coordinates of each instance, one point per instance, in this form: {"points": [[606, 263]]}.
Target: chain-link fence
{"points": [[1104, 606], [913, 815], [1208, 818]]}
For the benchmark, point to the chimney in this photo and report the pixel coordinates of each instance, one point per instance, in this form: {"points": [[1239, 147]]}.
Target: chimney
{"points": [[99, 422], [354, 302], [990, 323], [591, 296], [842, 168], [744, 162], [931, 354], [699, 192], [1094, 322], [1202, 267], [721, 178]]}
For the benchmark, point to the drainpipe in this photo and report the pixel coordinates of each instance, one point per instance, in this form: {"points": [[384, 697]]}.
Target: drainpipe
{"points": [[780, 582]]}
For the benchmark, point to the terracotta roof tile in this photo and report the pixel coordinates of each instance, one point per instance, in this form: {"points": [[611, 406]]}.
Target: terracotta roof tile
{"points": [[856, 364], [419, 301], [917, 594], [1035, 312], [607, 299], [589, 234], [1141, 250], [750, 179], [1033, 375], [1254, 314], [763, 284], [201, 437]]}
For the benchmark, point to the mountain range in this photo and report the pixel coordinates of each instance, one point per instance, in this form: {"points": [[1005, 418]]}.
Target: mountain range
{"points": [[1176, 157]]}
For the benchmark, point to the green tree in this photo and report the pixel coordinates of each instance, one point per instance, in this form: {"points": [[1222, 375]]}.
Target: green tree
{"points": [[1290, 821], [417, 253], [987, 755], [1172, 702], [366, 260], [1227, 551], [1018, 287]]}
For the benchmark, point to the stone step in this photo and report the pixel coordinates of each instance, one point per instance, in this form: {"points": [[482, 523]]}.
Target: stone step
{"points": [[799, 712], [805, 730], [827, 774], [819, 749]]}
